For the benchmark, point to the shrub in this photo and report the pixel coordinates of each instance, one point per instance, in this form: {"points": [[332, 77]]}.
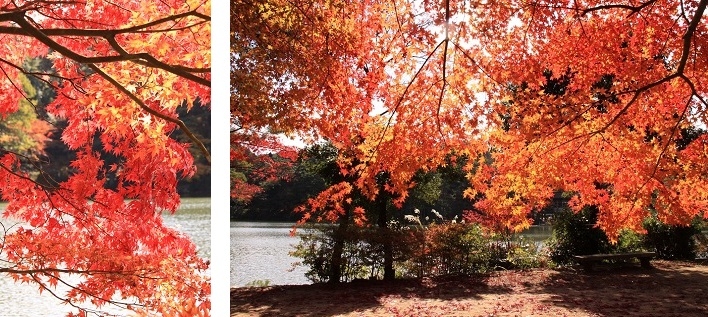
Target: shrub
{"points": [[315, 249], [443, 248], [525, 254], [362, 255], [701, 245], [629, 241], [576, 234], [455, 248], [671, 241]]}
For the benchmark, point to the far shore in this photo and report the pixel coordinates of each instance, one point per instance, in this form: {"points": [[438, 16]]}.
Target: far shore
{"points": [[670, 288]]}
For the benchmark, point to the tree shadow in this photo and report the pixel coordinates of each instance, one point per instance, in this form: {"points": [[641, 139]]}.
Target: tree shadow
{"points": [[358, 296], [670, 289]]}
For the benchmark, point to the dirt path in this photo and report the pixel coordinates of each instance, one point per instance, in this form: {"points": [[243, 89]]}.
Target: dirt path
{"points": [[669, 289]]}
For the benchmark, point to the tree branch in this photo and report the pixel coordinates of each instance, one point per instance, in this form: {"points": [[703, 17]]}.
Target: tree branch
{"points": [[634, 9], [146, 58], [689, 35], [151, 111], [444, 67]]}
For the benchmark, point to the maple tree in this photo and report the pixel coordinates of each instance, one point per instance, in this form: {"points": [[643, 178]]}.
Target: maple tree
{"points": [[590, 97], [257, 159], [122, 70]]}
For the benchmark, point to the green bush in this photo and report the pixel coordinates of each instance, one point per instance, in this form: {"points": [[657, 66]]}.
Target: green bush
{"points": [[629, 241], [315, 250], [362, 255], [525, 254], [576, 234], [454, 249], [671, 241]]}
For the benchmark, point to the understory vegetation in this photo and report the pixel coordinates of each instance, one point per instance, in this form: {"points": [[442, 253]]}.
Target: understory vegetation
{"points": [[448, 248], [434, 250]]}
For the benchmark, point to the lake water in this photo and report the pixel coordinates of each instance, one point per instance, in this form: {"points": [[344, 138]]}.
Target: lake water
{"points": [[259, 252], [21, 300]]}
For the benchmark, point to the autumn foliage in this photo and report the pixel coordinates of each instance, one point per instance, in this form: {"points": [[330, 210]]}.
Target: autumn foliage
{"points": [[595, 98], [257, 159], [121, 70]]}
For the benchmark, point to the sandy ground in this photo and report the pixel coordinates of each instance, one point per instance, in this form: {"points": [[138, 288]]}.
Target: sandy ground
{"points": [[668, 289]]}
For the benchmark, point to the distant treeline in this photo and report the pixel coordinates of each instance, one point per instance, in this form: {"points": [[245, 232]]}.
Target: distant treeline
{"points": [[315, 169]]}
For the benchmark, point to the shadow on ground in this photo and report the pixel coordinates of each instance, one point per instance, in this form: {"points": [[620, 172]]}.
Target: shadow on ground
{"points": [[332, 300], [669, 289]]}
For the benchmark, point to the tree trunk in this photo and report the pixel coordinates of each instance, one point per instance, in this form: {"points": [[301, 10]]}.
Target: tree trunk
{"points": [[389, 272], [335, 270]]}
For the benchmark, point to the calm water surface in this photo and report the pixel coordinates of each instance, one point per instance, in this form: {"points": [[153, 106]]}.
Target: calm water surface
{"points": [[259, 252], [22, 300]]}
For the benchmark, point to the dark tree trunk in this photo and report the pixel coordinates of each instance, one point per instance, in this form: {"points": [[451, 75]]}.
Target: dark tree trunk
{"points": [[389, 272], [335, 271]]}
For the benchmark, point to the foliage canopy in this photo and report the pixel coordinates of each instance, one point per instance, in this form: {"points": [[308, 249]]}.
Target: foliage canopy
{"points": [[590, 97], [122, 71]]}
